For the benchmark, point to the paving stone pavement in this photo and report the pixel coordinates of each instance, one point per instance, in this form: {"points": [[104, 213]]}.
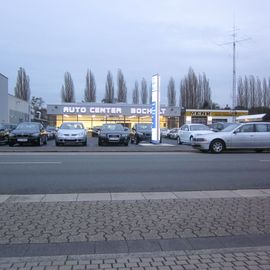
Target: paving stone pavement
{"points": [[237, 259], [61, 222]]}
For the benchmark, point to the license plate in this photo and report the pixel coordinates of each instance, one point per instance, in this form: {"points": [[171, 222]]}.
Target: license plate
{"points": [[114, 139], [22, 140]]}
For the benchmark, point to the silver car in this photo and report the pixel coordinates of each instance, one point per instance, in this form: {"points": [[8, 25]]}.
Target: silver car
{"points": [[254, 135], [71, 133]]}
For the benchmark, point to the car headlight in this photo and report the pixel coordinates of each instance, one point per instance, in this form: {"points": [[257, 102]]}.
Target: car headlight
{"points": [[102, 135], [124, 135], [35, 134], [11, 135]]}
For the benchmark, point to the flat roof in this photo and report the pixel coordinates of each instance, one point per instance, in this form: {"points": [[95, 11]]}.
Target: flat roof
{"points": [[3, 75]]}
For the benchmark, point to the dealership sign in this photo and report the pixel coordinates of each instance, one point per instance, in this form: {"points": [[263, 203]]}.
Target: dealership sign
{"points": [[108, 110], [155, 109]]}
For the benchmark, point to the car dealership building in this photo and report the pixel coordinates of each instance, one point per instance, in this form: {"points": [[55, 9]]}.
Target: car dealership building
{"points": [[97, 114]]}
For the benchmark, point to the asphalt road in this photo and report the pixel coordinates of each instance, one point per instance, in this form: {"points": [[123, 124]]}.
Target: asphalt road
{"points": [[35, 173]]}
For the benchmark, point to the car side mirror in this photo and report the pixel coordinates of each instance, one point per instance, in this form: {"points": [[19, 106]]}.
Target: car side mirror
{"points": [[236, 131]]}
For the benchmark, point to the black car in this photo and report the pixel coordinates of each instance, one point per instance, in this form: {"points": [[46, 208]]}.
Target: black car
{"points": [[141, 132], [95, 131], [3, 133], [28, 133], [113, 134]]}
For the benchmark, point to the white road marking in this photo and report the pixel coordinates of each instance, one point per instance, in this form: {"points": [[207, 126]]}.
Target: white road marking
{"points": [[151, 144], [29, 162]]}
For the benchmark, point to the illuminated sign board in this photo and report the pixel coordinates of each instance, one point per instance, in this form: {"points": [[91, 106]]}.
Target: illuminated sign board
{"points": [[155, 109], [108, 110]]}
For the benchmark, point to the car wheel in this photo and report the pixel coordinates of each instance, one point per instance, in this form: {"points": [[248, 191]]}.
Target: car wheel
{"points": [[100, 143], [126, 144], [137, 140], [45, 141], [190, 139], [258, 150], [57, 143], [85, 143], [132, 141], [179, 140], [217, 146], [11, 144]]}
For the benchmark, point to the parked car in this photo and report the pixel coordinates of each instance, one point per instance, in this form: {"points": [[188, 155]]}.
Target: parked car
{"points": [[254, 135], [95, 131], [173, 134], [28, 133], [113, 134], [51, 130], [4, 132], [71, 133], [218, 126], [141, 132], [188, 131], [164, 132]]}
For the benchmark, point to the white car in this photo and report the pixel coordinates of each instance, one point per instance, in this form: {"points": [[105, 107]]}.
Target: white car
{"points": [[188, 131], [71, 133]]}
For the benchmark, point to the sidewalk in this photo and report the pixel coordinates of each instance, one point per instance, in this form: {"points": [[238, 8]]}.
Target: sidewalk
{"points": [[159, 226]]}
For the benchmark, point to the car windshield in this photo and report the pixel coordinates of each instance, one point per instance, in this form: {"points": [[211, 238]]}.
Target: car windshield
{"points": [[71, 126], [199, 127], [230, 127], [26, 126], [50, 128], [112, 128], [144, 126]]}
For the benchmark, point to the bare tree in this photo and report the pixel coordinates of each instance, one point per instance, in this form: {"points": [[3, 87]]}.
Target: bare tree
{"points": [[246, 93], [205, 92], [150, 93], [259, 92], [90, 88], [122, 89], [171, 93], [135, 94], [22, 88], [109, 89], [265, 93], [240, 93], [252, 90], [67, 91], [144, 93], [195, 91]]}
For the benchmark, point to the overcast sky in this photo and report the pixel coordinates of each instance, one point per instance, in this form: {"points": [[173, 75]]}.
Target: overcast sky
{"points": [[141, 37]]}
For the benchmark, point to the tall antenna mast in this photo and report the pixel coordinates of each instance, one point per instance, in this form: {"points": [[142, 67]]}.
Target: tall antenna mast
{"points": [[234, 42], [234, 70]]}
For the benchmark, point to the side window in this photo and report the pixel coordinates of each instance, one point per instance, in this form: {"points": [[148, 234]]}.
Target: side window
{"points": [[186, 128], [247, 128], [183, 127], [261, 127]]}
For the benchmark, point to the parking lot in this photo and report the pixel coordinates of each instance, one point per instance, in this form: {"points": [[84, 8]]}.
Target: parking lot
{"points": [[92, 145]]}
